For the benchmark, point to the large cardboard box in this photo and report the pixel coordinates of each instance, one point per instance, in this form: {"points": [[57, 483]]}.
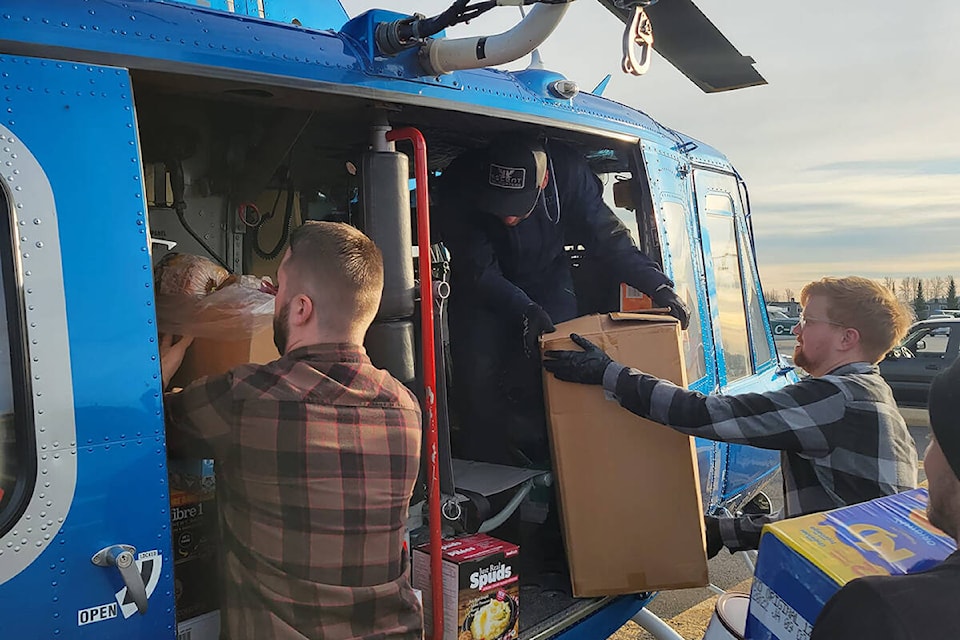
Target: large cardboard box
{"points": [[629, 488], [481, 588], [209, 356], [804, 561]]}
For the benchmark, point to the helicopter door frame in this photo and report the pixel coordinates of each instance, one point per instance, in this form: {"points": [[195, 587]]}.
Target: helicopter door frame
{"points": [[720, 214], [671, 198]]}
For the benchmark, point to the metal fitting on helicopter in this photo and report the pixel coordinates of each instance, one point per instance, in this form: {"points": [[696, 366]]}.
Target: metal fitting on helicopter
{"points": [[566, 89], [394, 37]]}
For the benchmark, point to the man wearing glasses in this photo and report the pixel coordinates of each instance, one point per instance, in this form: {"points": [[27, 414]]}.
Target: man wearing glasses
{"points": [[841, 437], [506, 212]]}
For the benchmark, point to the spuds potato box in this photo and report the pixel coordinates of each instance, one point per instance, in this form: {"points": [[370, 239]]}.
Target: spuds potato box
{"points": [[481, 588]]}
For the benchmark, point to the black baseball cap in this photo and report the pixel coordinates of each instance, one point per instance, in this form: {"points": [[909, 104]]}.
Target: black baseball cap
{"points": [[509, 177], [944, 408]]}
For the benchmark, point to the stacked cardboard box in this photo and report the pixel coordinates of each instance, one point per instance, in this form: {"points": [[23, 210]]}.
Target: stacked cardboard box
{"points": [[208, 356]]}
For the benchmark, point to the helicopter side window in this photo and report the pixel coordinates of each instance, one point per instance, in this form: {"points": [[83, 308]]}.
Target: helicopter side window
{"points": [[684, 275], [730, 303], [758, 333], [617, 195]]}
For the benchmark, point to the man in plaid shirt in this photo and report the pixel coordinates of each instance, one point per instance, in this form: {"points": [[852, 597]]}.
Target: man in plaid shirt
{"points": [[317, 454], [841, 437]]}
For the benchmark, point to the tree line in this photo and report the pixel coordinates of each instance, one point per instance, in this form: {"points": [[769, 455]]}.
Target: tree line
{"points": [[921, 292], [914, 292]]}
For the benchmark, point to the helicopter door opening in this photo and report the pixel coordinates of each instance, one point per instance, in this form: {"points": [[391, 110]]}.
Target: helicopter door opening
{"points": [[17, 457]]}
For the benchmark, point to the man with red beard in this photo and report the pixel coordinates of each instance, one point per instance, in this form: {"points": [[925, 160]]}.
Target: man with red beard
{"points": [[919, 606], [841, 437], [317, 454]]}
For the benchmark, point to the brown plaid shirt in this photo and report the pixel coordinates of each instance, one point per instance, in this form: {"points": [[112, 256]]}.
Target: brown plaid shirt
{"points": [[317, 454]]}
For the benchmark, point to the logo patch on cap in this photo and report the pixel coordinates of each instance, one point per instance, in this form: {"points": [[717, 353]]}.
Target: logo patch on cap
{"points": [[507, 177]]}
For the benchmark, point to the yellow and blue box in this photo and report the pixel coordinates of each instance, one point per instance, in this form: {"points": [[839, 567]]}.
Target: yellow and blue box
{"points": [[804, 561]]}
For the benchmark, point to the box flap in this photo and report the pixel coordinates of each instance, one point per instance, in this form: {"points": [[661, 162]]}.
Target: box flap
{"points": [[648, 315]]}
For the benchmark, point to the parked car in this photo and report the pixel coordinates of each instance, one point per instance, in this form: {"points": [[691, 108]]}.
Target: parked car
{"points": [[929, 348], [780, 323]]}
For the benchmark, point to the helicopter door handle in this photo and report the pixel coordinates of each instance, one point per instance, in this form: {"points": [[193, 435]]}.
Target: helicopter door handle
{"points": [[121, 557]]}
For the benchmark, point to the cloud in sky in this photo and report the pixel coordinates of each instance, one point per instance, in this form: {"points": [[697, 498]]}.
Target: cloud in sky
{"points": [[849, 153]]}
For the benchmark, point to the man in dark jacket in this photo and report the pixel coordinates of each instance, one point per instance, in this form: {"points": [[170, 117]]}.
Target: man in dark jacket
{"points": [[506, 213], [920, 605]]}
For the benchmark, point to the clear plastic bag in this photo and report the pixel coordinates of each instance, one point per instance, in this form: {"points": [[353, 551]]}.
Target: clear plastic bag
{"points": [[236, 311]]}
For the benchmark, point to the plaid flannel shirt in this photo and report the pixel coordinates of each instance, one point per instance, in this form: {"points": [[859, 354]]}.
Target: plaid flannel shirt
{"points": [[317, 454], [842, 439]]}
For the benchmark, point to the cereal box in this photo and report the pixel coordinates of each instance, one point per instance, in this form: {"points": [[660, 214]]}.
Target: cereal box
{"points": [[804, 561], [481, 588]]}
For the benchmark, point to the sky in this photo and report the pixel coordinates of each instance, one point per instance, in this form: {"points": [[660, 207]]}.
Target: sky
{"points": [[852, 151]]}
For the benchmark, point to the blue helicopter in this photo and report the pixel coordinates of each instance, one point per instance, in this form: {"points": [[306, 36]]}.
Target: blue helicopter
{"points": [[131, 127]]}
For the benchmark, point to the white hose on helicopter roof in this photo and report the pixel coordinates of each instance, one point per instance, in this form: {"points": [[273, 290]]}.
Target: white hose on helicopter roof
{"points": [[441, 56]]}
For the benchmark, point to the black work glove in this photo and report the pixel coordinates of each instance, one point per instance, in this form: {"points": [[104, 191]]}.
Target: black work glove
{"points": [[667, 297], [714, 541], [585, 367], [536, 322]]}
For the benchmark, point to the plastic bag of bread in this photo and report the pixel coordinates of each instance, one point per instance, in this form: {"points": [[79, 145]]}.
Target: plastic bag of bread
{"points": [[185, 274], [193, 300]]}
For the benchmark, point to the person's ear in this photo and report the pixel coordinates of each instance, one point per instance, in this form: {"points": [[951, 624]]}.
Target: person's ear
{"points": [[301, 310], [850, 339]]}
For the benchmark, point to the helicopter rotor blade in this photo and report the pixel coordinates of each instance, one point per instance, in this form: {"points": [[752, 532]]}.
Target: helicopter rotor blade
{"points": [[687, 39]]}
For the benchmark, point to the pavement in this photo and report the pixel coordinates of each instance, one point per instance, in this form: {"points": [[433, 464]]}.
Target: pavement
{"points": [[688, 611]]}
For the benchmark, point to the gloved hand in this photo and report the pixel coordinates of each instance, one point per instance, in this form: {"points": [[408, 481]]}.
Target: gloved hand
{"points": [[536, 322], [714, 541], [585, 367], [667, 297]]}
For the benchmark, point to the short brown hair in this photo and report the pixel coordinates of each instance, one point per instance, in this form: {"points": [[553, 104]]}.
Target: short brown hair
{"points": [[341, 267], [864, 305]]}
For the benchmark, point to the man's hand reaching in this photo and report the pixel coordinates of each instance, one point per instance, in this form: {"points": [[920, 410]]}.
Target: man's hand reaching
{"points": [[171, 355], [536, 322], [585, 367], [667, 297]]}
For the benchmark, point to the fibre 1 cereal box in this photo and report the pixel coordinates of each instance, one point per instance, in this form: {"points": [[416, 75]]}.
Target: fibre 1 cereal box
{"points": [[481, 588], [803, 561]]}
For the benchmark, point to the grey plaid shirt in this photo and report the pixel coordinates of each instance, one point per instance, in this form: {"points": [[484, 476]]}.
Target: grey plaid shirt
{"points": [[842, 439]]}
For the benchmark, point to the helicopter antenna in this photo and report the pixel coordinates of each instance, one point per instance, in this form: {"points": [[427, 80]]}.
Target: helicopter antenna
{"points": [[536, 61], [601, 87]]}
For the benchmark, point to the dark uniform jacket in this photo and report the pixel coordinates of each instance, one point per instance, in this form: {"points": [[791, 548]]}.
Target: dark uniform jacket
{"points": [[508, 267]]}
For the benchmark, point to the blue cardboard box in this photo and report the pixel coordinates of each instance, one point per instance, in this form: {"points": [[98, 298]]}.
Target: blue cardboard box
{"points": [[804, 561]]}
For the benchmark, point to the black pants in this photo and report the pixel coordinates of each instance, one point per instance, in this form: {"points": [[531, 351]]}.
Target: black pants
{"points": [[498, 389]]}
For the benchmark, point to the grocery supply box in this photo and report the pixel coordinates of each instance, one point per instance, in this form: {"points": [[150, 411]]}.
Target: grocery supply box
{"points": [[804, 561], [481, 588]]}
